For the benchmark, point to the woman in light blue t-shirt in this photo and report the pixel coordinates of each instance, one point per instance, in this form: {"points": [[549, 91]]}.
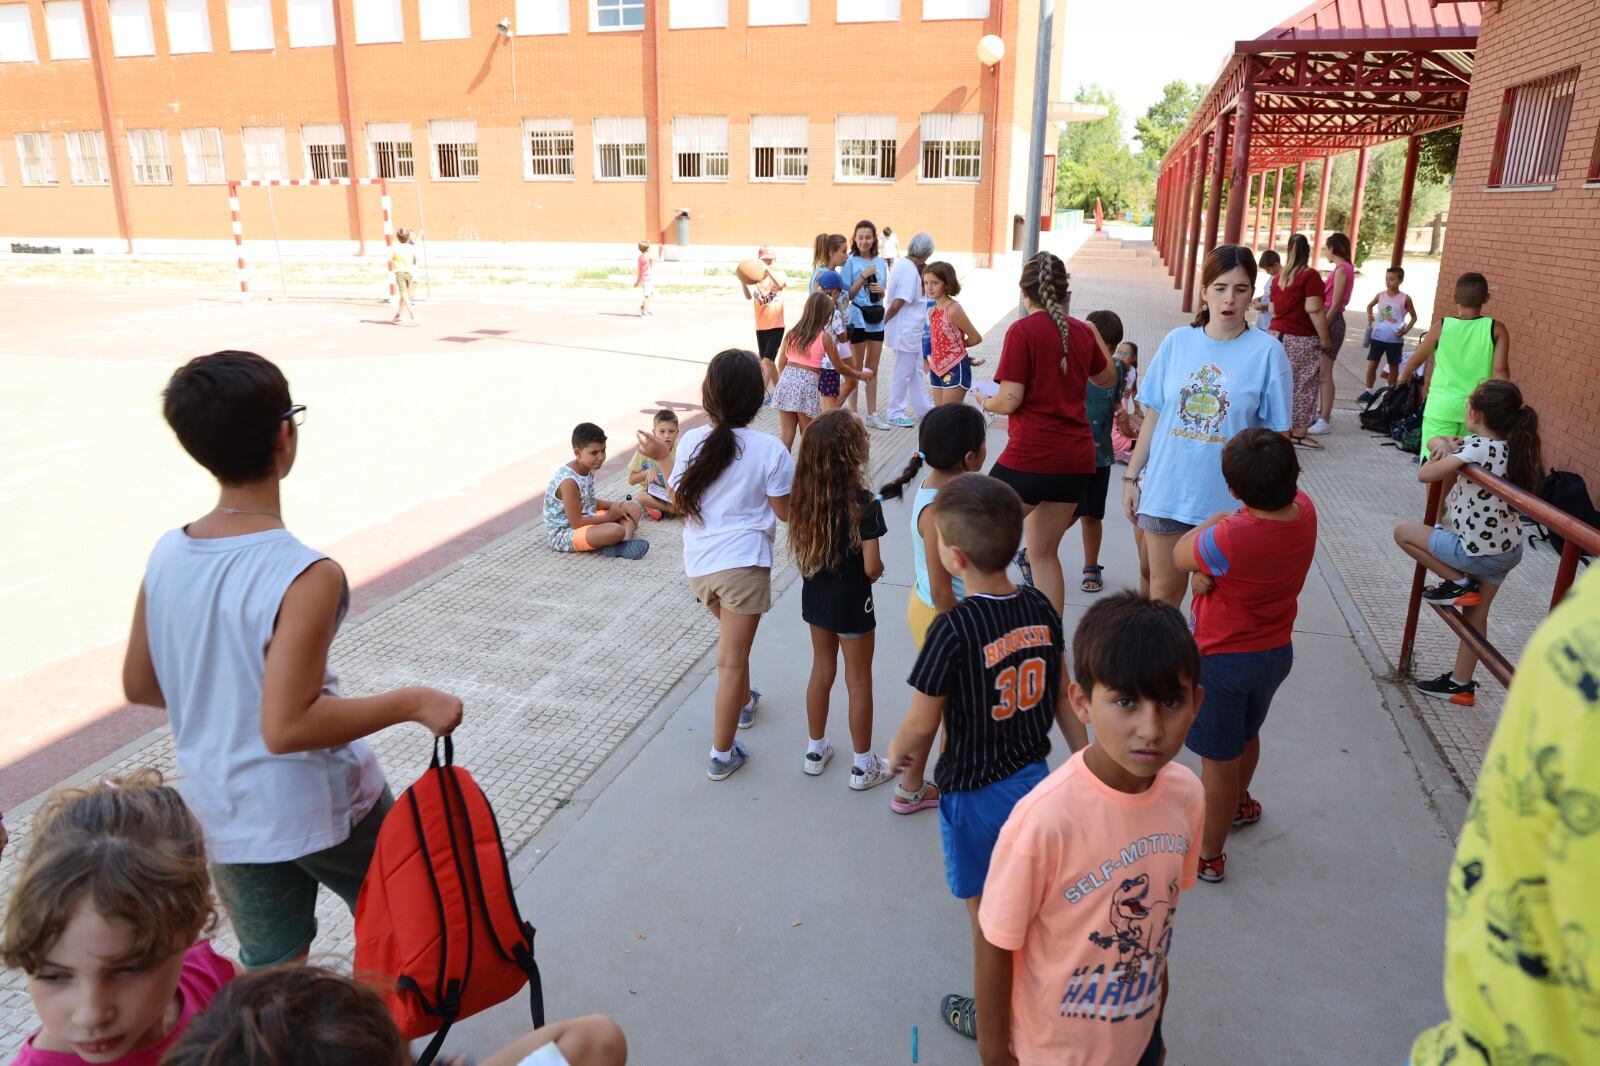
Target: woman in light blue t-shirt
{"points": [[1206, 382]]}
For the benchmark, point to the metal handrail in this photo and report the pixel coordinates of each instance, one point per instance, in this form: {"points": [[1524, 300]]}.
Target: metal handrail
{"points": [[1580, 537]]}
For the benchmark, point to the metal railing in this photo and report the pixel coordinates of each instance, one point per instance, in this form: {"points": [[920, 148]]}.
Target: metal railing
{"points": [[1581, 538]]}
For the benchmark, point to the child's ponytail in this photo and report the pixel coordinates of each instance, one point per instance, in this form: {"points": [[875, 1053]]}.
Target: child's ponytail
{"points": [[948, 435], [731, 395], [1499, 403]]}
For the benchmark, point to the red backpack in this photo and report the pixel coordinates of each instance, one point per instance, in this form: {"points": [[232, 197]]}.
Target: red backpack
{"points": [[437, 925]]}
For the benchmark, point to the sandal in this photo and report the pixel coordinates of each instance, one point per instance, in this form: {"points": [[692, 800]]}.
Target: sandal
{"points": [[1308, 444], [903, 802], [961, 1014], [1024, 566], [1212, 870], [1249, 812], [1092, 579]]}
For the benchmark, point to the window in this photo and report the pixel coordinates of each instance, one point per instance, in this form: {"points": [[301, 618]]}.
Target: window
{"points": [[188, 27], [148, 150], [455, 150], [952, 147], [549, 148], [1594, 162], [265, 153], [65, 30], [378, 22], [86, 152], [389, 151], [869, 11], [778, 148], [16, 34], [780, 12], [616, 14], [250, 25], [934, 10], [202, 156], [620, 152], [867, 147], [325, 151], [700, 148], [310, 23], [1533, 130], [37, 158], [444, 20], [542, 16], [130, 28], [696, 14]]}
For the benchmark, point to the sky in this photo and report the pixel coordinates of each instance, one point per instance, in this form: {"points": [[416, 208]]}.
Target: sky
{"points": [[1134, 47]]}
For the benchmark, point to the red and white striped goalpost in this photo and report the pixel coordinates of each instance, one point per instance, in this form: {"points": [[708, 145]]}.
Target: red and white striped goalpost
{"points": [[238, 227]]}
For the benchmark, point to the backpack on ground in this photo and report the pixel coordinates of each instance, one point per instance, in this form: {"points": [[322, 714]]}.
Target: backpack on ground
{"points": [[1570, 493], [437, 925], [1406, 432], [1389, 406]]}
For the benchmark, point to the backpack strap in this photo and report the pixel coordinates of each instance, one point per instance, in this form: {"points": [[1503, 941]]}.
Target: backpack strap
{"points": [[449, 1009]]}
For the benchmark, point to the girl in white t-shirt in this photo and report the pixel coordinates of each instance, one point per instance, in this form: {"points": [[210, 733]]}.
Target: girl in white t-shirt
{"points": [[732, 485], [1479, 536]]}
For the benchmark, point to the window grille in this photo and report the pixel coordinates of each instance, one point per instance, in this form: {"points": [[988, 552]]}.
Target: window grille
{"points": [[1533, 130]]}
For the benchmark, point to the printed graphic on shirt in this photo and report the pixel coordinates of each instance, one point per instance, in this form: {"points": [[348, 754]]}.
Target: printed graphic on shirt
{"points": [[1139, 934], [1386, 315], [1203, 406]]}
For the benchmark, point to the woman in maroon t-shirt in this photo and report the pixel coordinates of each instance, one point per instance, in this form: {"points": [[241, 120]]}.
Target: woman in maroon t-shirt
{"points": [[1301, 326], [1045, 363]]}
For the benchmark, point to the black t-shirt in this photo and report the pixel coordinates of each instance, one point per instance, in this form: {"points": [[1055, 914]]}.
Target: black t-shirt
{"points": [[840, 600], [997, 659]]}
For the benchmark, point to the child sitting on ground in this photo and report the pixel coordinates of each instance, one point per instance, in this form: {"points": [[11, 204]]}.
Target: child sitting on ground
{"points": [[575, 519], [645, 472], [106, 918], [1249, 568], [1390, 316], [306, 1015], [1083, 886], [991, 671], [1101, 406], [1479, 538], [1460, 354]]}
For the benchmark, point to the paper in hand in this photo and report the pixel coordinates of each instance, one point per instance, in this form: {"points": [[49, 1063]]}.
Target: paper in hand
{"points": [[986, 388]]}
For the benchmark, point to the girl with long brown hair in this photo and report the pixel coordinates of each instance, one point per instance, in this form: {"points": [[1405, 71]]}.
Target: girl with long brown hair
{"points": [[1335, 296], [866, 274], [806, 350]]}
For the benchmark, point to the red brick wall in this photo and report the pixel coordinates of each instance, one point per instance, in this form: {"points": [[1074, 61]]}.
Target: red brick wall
{"points": [[1540, 250]]}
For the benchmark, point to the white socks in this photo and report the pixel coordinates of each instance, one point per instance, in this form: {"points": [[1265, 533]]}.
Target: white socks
{"points": [[864, 761], [816, 747], [722, 756]]}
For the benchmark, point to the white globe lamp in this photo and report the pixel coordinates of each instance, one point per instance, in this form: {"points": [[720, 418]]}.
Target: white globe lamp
{"points": [[991, 49]]}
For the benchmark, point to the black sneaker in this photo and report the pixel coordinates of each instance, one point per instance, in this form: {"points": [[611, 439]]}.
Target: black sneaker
{"points": [[1445, 687], [1454, 592], [1365, 398]]}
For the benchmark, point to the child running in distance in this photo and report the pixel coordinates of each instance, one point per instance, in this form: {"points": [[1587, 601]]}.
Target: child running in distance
{"points": [[645, 280], [808, 346], [992, 671], [107, 919], [575, 519], [309, 1015], [1390, 316], [1083, 887], [952, 443], [950, 334], [403, 262], [645, 472], [834, 526], [732, 488], [1479, 538]]}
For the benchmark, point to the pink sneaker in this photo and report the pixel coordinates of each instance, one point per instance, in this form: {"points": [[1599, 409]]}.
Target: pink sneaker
{"points": [[904, 802]]}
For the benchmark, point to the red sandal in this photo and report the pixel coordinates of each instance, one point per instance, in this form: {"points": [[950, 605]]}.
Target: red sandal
{"points": [[1249, 812], [1214, 869]]}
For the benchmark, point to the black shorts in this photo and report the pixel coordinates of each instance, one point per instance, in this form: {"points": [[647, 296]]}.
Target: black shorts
{"points": [[1043, 488], [767, 341], [862, 336], [1390, 350], [1093, 504]]}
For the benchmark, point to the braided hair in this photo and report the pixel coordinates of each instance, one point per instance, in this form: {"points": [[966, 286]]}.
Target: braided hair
{"points": [[1044, 281]]}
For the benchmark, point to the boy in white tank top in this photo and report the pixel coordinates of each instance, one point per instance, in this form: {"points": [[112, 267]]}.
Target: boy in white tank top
{"points": [[1390, 316], [231, 634]]}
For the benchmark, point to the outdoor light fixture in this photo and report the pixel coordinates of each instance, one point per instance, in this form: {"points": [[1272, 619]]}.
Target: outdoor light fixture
{"points": [[991, 50], [504, 27]]}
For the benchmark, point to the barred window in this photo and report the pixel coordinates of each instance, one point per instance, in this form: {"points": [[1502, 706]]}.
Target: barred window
{"points": [[148, 151], [86, 152], [326, 155], [1533, 130], [202, 154], [455, 150], [548, 148], [389, 151], [266, 153], [620, 149], [38, 159], [866, 147], [952, 147], [778, 148], [700, 148]]}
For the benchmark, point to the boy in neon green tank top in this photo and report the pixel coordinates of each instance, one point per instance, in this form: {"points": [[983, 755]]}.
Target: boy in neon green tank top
{"points": [[1460, 355]]}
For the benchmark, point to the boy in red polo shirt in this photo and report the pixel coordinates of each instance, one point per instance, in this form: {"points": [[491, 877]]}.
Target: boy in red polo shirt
{"points": [[1251, 566]]}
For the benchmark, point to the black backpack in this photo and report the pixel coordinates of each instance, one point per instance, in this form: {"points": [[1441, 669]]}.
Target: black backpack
{"points": [[1389, 406], [1568, 492]]}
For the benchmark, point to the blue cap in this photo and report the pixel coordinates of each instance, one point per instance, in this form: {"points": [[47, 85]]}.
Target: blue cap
{"points": [[829, 279]]}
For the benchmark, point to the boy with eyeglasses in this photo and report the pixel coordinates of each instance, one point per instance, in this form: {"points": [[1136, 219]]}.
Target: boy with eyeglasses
{"points": [[230, 634]]}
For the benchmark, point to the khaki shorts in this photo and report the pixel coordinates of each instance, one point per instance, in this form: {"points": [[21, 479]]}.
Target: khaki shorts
{"points": [[742, 590], [403, 284]]}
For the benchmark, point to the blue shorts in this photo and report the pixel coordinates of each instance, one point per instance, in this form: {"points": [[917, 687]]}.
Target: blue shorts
{"points": [[1445, 546], [1239, 689], [959, 377], [969, 824]]}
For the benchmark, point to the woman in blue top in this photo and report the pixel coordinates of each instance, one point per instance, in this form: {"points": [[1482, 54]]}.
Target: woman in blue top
{"points": [[1208, 381], [865, 273]]}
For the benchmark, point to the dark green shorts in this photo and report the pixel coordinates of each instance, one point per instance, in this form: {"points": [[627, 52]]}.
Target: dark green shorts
{"points": [[273, 905]]}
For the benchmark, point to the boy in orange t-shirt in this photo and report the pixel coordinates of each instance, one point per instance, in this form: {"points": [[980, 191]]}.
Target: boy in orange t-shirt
{"points": [[1084, 881]]}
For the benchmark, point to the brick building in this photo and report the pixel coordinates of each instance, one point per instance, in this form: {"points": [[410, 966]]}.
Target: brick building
{"points": [[584, 121], [1525, 210]]}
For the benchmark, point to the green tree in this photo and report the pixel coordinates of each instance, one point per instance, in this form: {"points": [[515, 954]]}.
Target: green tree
{"points": [[1159, 126], [1095, 162], [1380, 202]]}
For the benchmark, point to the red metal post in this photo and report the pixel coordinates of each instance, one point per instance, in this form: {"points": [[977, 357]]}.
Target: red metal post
{"points": [[1219, 171], [1261, 197], [1191, 170], [1402, 220], [1322, 206], [1192, 259], [1355, 202], [1408, 636], [1239, 194], [1277, 205], [1299, 191]]}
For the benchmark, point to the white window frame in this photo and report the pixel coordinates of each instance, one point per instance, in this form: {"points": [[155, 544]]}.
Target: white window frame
{"points": [[626, 139], [65, 30], [697, 14], [391, 29], [86, 157], [310, 23], [250, 26], [559, 160], [453, 145], [203, 160], [444, 20], [867, 11], [16, 43], [36, 158], [131, 32], [867, 136], [623, 8], [538, 18], [952, 148], [190, 32], [391, 146], [786, 138], [260, 143], [952, 10], [700, 148], [325, 147], [779, 13], [147, 153]]}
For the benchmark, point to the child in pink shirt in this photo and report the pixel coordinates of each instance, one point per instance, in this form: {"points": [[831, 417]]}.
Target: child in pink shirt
{"points": [[1083, 884], [645, 280]]}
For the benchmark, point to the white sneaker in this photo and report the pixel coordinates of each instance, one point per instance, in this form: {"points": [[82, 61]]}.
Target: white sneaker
{"points": [[816, 762], [1319, 427], [875, 422], [879, 772]]}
